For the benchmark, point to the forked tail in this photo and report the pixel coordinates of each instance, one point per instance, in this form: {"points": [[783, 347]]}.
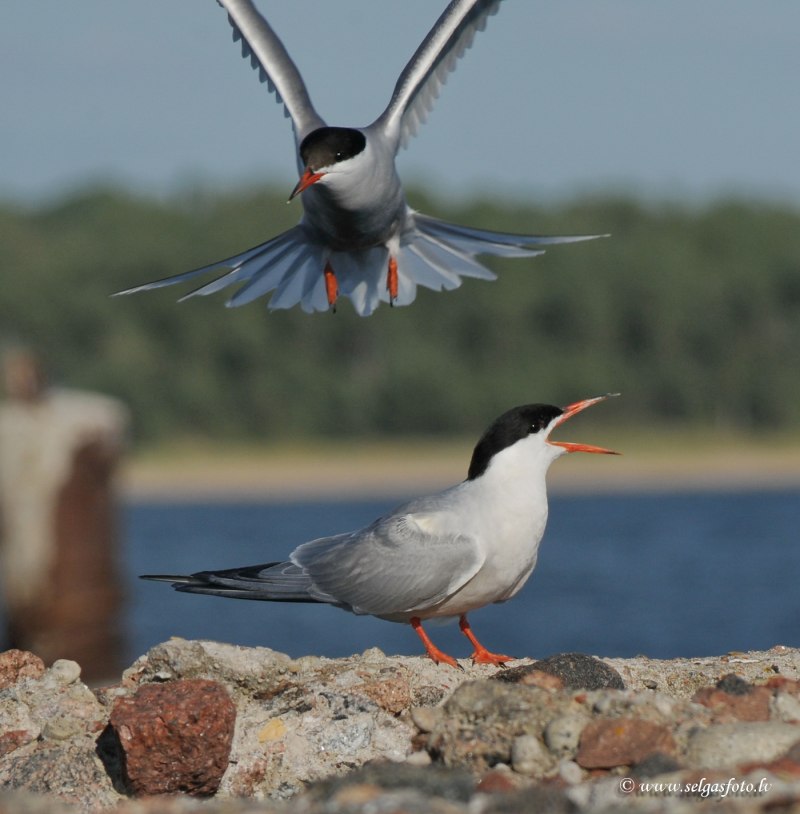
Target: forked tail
{"points": [[433, 254], [270, 582]]}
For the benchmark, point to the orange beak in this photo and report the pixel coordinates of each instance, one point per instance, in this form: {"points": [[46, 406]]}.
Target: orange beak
{"points": [[306, 180], [569, 411]]}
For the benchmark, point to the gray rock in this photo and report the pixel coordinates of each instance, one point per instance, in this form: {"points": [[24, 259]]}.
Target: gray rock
{"points": [[581, 672], [734, 685], [68, 771], [481, 720], [730, 745]]}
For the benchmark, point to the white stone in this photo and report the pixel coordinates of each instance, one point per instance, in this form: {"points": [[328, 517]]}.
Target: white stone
{"points": [[65, 671], [570, 772], [528, 755], [563, 734], [786, 707]]}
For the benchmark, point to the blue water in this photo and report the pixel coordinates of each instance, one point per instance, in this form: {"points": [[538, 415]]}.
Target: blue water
{"points": [[663, 575]]}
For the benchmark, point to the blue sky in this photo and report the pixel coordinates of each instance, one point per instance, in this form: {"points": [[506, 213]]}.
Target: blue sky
{"points": [[668, 98]]}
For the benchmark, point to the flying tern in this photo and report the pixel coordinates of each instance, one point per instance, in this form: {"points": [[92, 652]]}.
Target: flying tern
{"points": [[444, 555], [358, 237]]}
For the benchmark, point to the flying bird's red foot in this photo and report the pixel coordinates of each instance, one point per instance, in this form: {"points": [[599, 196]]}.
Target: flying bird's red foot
{"points": [[430, 648], [391, 280], [481, 654], [331, 286]]}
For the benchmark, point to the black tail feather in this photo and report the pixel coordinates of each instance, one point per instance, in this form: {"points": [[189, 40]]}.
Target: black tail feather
{"points": [[269, 582]]}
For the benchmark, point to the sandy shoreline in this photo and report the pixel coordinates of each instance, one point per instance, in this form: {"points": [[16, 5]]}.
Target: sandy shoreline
{"points": [[394, 470]]}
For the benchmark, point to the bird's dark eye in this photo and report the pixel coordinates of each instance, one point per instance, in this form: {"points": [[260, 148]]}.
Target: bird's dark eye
{"points": [[538, 424], [339, 155]]}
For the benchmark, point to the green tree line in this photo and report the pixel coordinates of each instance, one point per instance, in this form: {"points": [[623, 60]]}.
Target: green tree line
{"points": [[693, 313]]}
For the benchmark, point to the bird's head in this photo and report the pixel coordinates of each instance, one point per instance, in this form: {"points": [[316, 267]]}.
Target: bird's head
{"points": [[531, 424], [326, 151]]}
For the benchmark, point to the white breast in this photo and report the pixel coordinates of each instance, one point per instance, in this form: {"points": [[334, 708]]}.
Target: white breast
{"points": [[506, 511]]}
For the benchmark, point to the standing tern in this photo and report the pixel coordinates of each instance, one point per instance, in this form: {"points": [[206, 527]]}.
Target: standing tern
{"points": [[438, 556], [358, 237]]}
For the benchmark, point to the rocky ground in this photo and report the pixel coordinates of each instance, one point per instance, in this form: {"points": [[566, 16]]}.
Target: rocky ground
{"points": [[207, 727]]}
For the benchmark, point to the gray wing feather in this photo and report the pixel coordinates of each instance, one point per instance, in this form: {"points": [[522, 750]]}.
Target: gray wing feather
{"points": [[394, 566], [456, 238], [288, 264], [422, 79], [275, 67]]}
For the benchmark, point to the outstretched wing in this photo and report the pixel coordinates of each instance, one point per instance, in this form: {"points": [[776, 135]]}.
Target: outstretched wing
{"points": [[274, 65], [402, 564], [421, 80]]}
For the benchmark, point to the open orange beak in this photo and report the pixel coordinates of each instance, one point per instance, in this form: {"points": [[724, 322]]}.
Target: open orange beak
{"points": [[569, 411], [306, 180]]}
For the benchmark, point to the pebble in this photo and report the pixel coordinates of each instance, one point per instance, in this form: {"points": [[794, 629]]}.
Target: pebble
{"points": [[563, 734], [528, 756], [421, 758], [65, 672], [570, 772]]}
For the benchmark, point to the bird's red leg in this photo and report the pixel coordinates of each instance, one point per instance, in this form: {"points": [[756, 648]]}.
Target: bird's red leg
{"points": [[430, 648], [481, 654], [391, 280], [331, 286]]}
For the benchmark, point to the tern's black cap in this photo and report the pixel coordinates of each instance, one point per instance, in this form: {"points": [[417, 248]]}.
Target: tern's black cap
{"points": [[329, 145], [512, 426]]}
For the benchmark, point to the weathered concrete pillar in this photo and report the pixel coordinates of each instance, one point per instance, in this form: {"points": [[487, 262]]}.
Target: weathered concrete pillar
{"points": [[59, 451]]}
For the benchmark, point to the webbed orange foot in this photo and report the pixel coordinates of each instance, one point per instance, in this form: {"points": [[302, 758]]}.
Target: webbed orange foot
{"points": [[481, 654], [430, 648]]}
